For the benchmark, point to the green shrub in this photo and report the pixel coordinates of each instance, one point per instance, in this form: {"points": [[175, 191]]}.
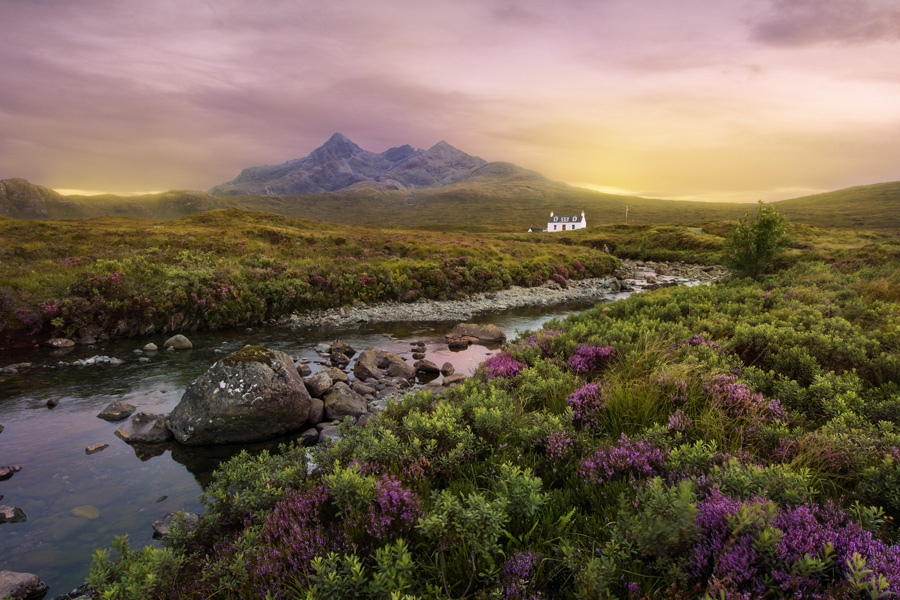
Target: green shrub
{"points": [[755, 244]]}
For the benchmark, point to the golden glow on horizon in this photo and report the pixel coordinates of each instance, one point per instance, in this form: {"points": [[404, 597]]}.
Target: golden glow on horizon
{"points": [[74, 192]]}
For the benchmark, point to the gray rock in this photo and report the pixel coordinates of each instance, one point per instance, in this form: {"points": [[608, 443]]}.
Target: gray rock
{"points": [[87, 340], [337, 375], [316, 411], [52, 402], [341, 401], [339, 360], [151, 347], [388, 392], [252, 394], [482, 333], [145, 428], [448, 369], [365, 369], [178, 342], [328, 432], [426, 366], [339, 347], [363, 389], [323, 348], [116, 361], [454, 379], [458, 343], [163, 525], [304, 370], [418, 355], [143, 360], [309, 437], [401, 369], [117, 411], [22, 586], [12, 514], [9, 471], [60, 343], [318, 384], [364, 418], [95, 448]]}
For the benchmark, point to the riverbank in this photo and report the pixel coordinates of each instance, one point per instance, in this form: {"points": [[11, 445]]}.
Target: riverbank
{"points": [[632, 275]]}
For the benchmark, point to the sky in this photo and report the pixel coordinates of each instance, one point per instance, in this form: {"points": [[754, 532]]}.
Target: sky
{"points": [[730, 100]]}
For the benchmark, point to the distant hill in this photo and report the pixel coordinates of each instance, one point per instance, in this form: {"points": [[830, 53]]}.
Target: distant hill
{"points": [[439, 188], [340, 164]]}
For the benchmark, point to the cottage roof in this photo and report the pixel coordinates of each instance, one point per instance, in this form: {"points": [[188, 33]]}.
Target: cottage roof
{"points": [[566, 219]]}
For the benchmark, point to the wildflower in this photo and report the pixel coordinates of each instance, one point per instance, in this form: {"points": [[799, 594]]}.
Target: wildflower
{"points": [[632, 458], [501, 365], [587, 358], [587, 403]]}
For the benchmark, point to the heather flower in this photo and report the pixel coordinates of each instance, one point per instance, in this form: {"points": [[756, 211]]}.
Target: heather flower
{"points": [[699, 340], [517, 574], [678, 421], [587, 358], [587, 403], [540, 339], [392, 514], [738, 401], [631, 458], [501, 365], [558, 445]]}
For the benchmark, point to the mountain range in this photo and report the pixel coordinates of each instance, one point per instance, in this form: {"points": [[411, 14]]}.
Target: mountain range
{"points": [[438, 188]]}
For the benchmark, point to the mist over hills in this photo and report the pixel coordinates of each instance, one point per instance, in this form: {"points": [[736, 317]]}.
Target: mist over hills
{"points": [[438, 188]]}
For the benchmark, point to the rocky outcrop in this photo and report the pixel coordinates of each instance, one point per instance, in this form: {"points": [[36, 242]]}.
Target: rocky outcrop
{"points": [[21, 586], [23, 200], [145, 428], [252, 394]]}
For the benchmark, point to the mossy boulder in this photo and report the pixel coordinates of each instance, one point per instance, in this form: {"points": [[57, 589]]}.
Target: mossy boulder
{"points": [[252, 394]]}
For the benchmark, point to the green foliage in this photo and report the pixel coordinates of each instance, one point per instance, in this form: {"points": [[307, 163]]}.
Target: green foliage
{"points": [[339, 577], [755, 244], [135, 574]]}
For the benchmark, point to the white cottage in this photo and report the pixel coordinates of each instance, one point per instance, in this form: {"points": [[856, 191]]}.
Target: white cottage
{"points": [[566, 222]]}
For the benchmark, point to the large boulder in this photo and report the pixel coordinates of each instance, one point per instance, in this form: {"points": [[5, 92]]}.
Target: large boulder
{"points": [[144, 428], [480, 333], [252, 394], [426, 366], [366, 367], [339, 347], [341, 401], [401, 369], [21, 586]]}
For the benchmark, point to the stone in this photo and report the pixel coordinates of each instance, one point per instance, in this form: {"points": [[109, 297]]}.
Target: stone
{"points": [[388, 391], [22, 586], [364, 369], [95, 448], [401, 369], [12, 514], [328, 431], [60, 343], [163, 525], [418, 355], [117, 411], [309, 437], [145, 428], [304, 370], [316, 411], [143, 360], [151, 347], [339, 347], [88, 511], [482, 333], [318, 384], [363, 389], [1, 428], [116, 361], [426, 366], [339, 360], [178, 342], [9, 471], [447, 369], [454, 379], [52, 402], [364, 418], [458, 343], [323, 348], [87, 340], [250, 395], [337, 375], [341, 401]]}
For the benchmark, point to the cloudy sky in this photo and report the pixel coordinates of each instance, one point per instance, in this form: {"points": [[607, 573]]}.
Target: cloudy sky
{"points": [[700, 99]]}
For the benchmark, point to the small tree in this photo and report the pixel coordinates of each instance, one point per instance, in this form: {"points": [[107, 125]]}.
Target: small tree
{"points": [[755, 244]]}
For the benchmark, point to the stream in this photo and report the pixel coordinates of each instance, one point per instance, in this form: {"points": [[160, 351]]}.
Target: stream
{"points": [[76, 503]]}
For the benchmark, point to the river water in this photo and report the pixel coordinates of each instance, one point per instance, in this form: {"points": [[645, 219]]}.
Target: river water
{"points": [[76, 502]]}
